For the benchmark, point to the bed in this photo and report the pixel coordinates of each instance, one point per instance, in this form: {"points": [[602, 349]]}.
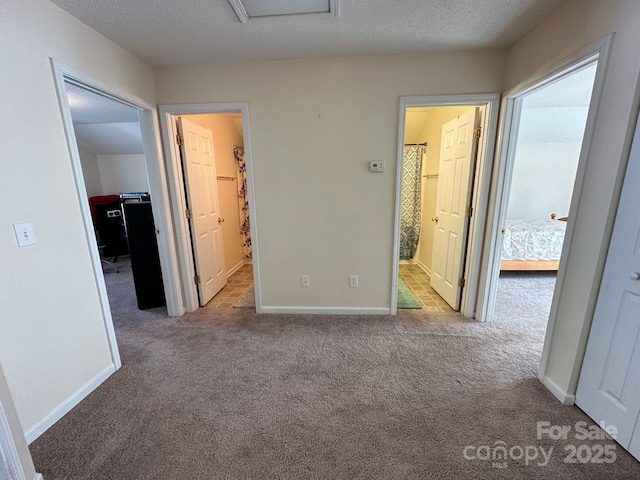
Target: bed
{"points": [[533, 244]]}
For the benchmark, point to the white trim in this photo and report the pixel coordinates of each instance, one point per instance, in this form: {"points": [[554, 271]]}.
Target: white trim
{"points": [[8, 451], [38, 477], [565, 397], [327, 310], [176, 189], [598, 51], [66, 405], [481, 189], [235, 268], [157, 184], [511, 106]]}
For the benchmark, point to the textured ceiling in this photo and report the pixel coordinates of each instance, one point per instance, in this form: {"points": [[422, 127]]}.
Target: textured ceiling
{"points": [[103, 125], [89, 107], [163, 32]]}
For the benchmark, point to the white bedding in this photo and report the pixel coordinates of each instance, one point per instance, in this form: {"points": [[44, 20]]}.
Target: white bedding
{"points": [[533, 240]]}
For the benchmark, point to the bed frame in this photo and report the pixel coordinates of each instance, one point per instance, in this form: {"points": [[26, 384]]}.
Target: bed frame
{"points": [[516, 265]]}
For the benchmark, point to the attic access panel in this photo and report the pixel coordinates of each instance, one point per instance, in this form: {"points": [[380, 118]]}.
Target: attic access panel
{"points": [[255, 9]]}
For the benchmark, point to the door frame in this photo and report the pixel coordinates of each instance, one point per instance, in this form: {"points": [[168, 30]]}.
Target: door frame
{"points": [[168, 114], [501, 182], [157, 185], [481, 188]]}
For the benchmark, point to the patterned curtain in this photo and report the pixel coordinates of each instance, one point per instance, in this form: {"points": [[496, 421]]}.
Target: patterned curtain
{"points": [[243, 201], [411, 211]]}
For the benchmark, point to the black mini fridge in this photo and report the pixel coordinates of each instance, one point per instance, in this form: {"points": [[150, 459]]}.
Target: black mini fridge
{"points": [[143, 252]]}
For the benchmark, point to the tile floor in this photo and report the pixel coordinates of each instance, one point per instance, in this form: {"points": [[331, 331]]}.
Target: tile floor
{"points": [[419, 283], [237, 284]]}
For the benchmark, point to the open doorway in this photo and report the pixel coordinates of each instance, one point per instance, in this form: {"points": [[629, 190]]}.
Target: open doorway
{"points": [[547, 141], [215, 188], [211, 184], [438, 164], [110, 146], [443, 177]]}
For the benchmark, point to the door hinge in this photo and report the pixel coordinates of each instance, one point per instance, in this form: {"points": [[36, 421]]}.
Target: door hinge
{"points": [[477, 132], [188, 213], [179, 140], [196, 279], [461, 282], [468, 212]]}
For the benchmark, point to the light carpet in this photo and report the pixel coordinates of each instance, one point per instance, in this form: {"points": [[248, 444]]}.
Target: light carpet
{"points": [[229, 394]]}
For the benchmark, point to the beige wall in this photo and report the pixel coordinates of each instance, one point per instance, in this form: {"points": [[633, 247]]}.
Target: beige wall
{"points": [[315, 125], [53, 338], [225, 136], [573, 27]]}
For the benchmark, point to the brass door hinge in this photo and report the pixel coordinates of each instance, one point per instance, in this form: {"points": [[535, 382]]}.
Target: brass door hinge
{"points": [[468, 212], [477, 132], [196, 279], [179, 140], [461, 282], [188, 213]]}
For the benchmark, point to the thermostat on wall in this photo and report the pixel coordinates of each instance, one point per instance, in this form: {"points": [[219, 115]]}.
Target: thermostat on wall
{"points": [[376, 166]]}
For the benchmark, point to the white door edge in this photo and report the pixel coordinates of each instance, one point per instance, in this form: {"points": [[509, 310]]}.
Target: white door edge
{"points": [[481, 188], [168, 114]]}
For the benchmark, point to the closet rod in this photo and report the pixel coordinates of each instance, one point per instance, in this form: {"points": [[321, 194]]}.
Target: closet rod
{"points": [[430, 175], [415, 144], [222, 177]]}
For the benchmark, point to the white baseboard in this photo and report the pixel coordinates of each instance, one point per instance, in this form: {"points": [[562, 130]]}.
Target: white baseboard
{"points": [[235, 268], [65, 407], [559, 393], [38, 477], [424, 267], [327, 310]]}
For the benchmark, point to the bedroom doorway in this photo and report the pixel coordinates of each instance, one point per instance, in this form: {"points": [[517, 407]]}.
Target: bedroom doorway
{"points": [[547, 141], [443, 177]]}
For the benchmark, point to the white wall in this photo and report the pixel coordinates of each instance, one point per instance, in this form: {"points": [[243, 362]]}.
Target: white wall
{"points": [[225, 136], [123, 173], [315, 125], [53, 339], [543, 178], [90, 171], [575, 25]]}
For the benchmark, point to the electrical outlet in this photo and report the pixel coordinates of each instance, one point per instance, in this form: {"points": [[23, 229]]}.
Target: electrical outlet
{"points": [[353, 281], [304, 281]]}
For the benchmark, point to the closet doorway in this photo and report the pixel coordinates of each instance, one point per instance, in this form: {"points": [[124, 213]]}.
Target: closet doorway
{"points": [[442, 177], [215, 187], [211, 184]]}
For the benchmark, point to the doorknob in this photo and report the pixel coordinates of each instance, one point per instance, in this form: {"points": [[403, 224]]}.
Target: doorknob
{"points": [[634, 276], [434, 219], [220, 220]]}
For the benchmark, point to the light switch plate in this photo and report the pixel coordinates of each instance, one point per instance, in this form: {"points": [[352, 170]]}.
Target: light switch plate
{"points": [[24, 234]]}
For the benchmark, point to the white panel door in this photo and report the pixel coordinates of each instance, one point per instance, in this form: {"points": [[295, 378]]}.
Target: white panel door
{"points": [[457, 161], [202, 196], [609, 386]]}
